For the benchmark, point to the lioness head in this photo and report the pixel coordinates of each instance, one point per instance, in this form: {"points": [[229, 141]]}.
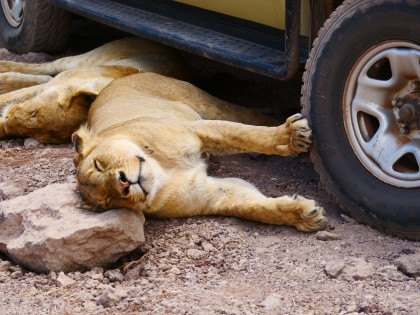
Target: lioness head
{"points": [[114, 172], [46, 118]]}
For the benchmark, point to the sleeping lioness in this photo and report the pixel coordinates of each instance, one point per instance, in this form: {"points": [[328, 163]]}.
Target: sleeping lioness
{"points": [[143, 148], [49, 101], [147, 136]]}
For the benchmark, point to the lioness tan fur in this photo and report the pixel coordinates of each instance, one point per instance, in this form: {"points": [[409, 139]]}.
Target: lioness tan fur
{"points": [[50, 109], [149, 156], [147, 136]]}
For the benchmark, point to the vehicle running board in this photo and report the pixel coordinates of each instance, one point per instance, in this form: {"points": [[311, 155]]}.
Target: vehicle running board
{"points": [[183, 31]]}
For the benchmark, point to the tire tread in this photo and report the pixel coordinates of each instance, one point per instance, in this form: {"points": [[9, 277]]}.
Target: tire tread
{"points": [[349, 9]]}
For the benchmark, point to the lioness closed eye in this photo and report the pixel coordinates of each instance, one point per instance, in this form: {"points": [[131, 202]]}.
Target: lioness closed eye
{"points": [[143, 144]]}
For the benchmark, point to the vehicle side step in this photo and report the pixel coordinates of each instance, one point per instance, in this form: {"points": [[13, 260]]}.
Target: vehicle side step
{"points": [[185, 34]]}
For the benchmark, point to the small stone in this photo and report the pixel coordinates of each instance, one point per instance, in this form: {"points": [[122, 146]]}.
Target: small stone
{"points": [[327, 236], [97, 270], [110, 298], [196, 253], [52, 275], [64, 281], [114, 275], [409, 265], [5, 265], [11, 189], [133, 273], [31, 143], [359, 269], [91, 284], [351, 308], [196, 239], [4, 145], [104, 287], [57, 303], [333, 269], [70, 179], [208, 247], [15, 268], [89, 306], [16, 274], [391, 273], [175, 270], [271, 302], [97, 276], [347, 219]]}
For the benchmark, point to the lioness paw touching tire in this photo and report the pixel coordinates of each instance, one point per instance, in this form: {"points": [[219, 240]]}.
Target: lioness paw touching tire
{"points": [[298, 135]]}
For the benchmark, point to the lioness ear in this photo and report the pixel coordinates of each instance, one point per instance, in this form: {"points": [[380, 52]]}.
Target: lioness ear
{"points": [[82, 142]]}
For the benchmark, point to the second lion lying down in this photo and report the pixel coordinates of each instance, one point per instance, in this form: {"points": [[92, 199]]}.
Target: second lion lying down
{"points": [[143, 148]]}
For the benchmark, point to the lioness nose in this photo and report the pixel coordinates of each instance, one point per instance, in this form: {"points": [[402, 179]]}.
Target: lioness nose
{"points": [[125, 183]]}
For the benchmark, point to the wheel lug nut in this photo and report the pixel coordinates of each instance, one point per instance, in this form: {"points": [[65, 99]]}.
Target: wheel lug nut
{"points": [[407, 112]]}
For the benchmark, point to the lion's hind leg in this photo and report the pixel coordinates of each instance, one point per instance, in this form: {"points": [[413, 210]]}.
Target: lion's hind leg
{"points": [[240, 199], [100, 56]]}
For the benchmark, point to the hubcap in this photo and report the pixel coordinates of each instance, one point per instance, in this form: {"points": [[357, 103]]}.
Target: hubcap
{"points": [[381, 111], [13, 11]]}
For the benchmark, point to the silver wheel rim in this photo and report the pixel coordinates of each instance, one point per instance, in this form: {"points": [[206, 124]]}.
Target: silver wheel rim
{"points": [[386, 147], [13, 11]]}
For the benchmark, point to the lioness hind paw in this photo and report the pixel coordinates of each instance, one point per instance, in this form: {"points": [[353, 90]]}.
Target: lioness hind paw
{"points": [[310, 216], [313, 219]]}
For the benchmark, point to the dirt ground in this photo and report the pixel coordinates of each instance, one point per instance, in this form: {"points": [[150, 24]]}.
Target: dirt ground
{"points": [[216, 265]]}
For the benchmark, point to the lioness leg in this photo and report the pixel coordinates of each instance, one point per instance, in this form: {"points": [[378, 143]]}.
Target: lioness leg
{"points": [[11, 81], [113, 51], [238, 198], [135, 52], [235, 197], [224, 137]]}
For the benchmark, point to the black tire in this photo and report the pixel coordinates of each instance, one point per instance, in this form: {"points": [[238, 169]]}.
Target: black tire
{"points": [[355, 29], [43, 27]]}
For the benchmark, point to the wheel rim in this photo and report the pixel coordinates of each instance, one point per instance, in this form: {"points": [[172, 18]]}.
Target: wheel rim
{"points": [[13, 11], [381, 108]]}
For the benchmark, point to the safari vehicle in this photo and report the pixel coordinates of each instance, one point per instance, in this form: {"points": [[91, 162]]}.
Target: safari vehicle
{"points": [[361, 81]]}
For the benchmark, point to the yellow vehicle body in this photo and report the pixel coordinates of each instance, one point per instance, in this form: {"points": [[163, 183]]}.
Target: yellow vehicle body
{"points": [[266, 12]]}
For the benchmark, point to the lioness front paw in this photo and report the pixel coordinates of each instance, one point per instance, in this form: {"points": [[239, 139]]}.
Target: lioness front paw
{"points": [[310, 216], [299, 136]]}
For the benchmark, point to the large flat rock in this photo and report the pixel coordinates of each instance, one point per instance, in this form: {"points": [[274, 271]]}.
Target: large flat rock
{"points": [[47, 230]]}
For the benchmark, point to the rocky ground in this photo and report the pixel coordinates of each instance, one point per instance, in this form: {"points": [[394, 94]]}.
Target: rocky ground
{"points": [[216, 265]]}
